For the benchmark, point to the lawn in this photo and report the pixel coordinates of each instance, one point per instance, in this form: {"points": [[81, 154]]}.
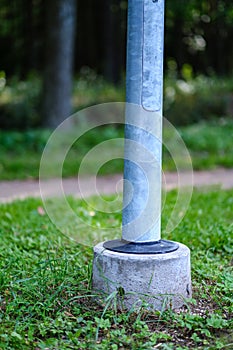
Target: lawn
{"points": [[210, 145], [45, 282]]}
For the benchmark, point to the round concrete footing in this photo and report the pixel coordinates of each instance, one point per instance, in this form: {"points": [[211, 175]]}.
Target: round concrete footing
{"points": [[159, 280]]}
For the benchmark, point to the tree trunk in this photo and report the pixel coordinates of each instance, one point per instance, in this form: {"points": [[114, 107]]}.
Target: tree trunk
{"points": [[112, 41], [60, 32]]}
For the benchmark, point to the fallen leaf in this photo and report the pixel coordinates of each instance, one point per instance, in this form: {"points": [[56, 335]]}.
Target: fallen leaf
{"points": [[41, 211]]}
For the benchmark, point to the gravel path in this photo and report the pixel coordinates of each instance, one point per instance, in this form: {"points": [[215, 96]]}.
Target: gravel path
{"points": [[10, 190]]}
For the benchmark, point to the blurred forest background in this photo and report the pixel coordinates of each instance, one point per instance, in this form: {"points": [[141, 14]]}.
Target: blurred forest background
{"points": [[60, 56], [90, 37]]}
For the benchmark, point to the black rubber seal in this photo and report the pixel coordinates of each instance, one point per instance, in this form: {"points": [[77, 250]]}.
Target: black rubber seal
{"points": [[157, 247]]}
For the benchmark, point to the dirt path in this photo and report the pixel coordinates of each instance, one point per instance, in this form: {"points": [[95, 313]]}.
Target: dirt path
{"points": [[10, 190]]}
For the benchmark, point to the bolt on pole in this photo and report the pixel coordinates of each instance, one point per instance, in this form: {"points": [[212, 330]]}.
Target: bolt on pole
{"points": [[143, 130]]}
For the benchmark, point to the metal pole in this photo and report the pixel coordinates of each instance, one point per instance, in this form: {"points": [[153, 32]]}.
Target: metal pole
{"points": [[144, 88], [141, 216]]}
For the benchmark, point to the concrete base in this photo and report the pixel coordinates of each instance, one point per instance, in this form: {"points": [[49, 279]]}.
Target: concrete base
{"points": [[159, 280]]}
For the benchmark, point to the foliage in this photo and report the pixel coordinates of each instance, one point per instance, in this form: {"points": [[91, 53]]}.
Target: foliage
{"points": [[91, 89], [187, 99], [20, 99], [45, 283], [20, 153], [19, 142], [202, 30], [19, 102], [209, 143], [190, 100]]}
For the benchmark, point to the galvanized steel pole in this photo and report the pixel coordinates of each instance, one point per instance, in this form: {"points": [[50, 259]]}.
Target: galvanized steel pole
{"points": [[141, 215], [144, 87]]}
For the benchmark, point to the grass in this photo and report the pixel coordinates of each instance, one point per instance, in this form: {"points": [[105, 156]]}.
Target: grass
{"points": [[210, 145], [45, 282]]}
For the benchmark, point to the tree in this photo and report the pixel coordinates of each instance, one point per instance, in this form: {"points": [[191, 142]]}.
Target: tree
{"points": [[59, 52], [114, 40]]}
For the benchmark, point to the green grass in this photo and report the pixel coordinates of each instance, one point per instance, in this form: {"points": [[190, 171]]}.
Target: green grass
{"points": [[20, 153], [210, 145], [46, 301]]}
